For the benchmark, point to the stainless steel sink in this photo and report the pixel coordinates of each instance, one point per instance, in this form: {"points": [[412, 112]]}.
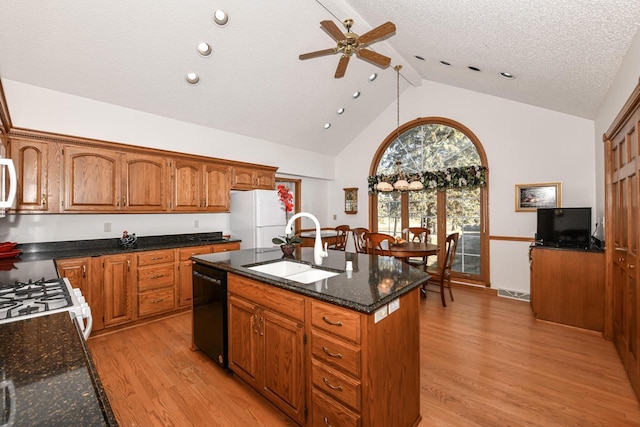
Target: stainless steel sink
{"points": [[298, 272]]}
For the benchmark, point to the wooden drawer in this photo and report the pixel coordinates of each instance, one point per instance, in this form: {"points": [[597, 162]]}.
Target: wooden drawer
{"points": [[185, 253], [156, 257], [278, 300], [336, 384], [154, 277], [225, 247], [156, 302], [328, 412], [336, 320], [336, 353]]}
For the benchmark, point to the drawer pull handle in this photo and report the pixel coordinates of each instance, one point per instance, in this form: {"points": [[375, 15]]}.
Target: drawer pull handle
{"points": [[157, 276], [157, 258], [331, 386], [338, 323], [326, 422], [156, 301], [326, 350]]}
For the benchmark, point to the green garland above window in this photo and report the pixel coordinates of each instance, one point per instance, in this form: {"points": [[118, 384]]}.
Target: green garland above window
{"points": [[463, 177]]}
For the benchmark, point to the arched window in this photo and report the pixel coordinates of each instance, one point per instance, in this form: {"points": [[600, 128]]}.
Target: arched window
{"points": [[451, 164]]}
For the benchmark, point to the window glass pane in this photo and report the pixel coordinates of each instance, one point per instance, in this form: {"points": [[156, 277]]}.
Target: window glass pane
{"points": [[389, 213], [463, 217], [423, 210]]}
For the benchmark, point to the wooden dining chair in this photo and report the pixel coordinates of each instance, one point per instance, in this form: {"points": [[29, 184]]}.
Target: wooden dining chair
{"points": [[341, 239], [359, 239], [417, 234], [376, 245], [441, 277]]}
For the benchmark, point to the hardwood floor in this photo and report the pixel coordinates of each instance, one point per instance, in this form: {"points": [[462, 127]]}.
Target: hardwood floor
{"points": [[485, 362]]}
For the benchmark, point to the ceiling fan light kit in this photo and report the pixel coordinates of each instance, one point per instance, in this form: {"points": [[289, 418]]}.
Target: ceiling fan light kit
{"points": [[349, 43]]}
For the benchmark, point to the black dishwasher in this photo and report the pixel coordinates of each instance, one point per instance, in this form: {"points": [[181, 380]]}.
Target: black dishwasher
{"points": [[210, 312]]}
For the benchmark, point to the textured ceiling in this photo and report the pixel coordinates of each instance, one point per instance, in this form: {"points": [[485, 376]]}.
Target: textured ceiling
{"points": [[564, 55]]}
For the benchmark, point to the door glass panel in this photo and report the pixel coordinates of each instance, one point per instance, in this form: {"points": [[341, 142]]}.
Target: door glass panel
{"points": [[463, 217], [389, 213]]}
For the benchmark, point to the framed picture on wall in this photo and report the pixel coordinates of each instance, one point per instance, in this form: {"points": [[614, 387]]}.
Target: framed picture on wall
{"points": [[530, 197]]}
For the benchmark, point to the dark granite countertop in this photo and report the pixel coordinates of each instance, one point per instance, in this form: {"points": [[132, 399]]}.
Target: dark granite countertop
{"points": [[359, 291], [47, 363], [36, 261], [99, 247]]}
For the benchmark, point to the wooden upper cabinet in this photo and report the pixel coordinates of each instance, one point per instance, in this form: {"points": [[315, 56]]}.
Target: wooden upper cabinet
{"points": [[249, 178], [187, 185], [31, 159], [217, 187], [146, 183], [97, 179], [92, 179], [201, 186]]}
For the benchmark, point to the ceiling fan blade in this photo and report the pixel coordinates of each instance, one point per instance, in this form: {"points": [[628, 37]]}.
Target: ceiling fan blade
{"points": [[317, 53], [377, 33], [333, 30], [342, 66], [373, 57]]}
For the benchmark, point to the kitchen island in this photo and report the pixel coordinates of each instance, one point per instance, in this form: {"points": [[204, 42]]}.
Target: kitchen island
{"points": [[343, 350]]}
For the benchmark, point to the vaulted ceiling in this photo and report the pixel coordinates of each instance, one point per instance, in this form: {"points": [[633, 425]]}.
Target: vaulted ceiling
{"points": [[563, 54]]}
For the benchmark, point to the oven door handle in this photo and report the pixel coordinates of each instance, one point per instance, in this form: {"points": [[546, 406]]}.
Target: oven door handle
{"points": [[11, 410]]}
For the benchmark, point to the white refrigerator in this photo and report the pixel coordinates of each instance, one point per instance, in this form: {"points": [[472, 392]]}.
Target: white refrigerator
{"points": [[257, 216]]}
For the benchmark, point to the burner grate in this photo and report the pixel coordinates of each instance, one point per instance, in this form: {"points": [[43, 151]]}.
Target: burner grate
{"points": [[26, 298]]}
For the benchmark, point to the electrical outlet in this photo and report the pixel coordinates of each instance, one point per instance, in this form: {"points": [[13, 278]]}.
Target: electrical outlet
{"points": [[380, 314], [335, 217], [107, 227], [394, 305], [196, 224]]}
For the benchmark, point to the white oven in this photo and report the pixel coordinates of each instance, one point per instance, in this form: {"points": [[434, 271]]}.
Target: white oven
{"points": [[24, 300]]}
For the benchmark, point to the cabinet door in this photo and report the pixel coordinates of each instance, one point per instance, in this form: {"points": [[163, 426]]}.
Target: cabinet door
{"points": [[282, 363], [146, 183], [217, 188], [265, 180], [244, 328], [118, 289], [31, 160], [185, 271], [242, 178], [77, 271], [187, 186], [91, 179]]}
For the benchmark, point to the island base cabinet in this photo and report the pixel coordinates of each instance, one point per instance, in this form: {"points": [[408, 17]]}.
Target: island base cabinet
{"points": [[266, 342]]}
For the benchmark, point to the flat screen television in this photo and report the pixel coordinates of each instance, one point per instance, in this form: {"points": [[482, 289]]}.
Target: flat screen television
{"points": [[564, 227]]}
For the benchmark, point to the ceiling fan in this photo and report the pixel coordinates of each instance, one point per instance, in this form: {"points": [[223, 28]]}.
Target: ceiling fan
{"points": [[350, 43]]}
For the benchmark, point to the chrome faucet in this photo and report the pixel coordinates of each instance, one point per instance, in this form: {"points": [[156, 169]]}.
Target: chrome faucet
{"points": [[318, 252]]}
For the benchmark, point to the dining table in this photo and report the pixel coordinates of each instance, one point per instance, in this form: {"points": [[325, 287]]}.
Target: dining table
{"points": [[413, 249]]}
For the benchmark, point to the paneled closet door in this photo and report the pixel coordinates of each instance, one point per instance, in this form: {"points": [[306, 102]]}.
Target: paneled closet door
{"points": [[625, 187]]}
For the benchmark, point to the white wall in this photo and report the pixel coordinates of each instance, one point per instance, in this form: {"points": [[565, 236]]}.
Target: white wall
{"points": [[524, 144], [620, 90]]}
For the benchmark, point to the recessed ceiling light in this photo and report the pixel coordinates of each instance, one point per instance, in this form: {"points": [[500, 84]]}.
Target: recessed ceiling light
{"points": [[204, 49], [472, 68], [355, 95], [445, 63], [220, 17], [340, 110], [507, 75], [192, 78], [419, 57], [327, 125], [372, 77]]}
